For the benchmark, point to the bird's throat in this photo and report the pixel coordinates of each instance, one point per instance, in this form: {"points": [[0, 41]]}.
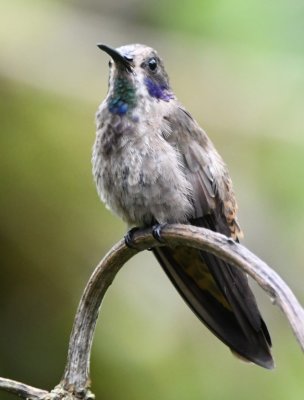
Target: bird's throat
{"points": [[123, 97]]}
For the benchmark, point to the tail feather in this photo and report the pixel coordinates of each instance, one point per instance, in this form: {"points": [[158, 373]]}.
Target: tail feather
{"points": [[221, 298]]}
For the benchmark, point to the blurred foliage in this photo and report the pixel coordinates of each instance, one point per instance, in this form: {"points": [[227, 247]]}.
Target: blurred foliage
{"points": [[260, 26], [238, 67]]}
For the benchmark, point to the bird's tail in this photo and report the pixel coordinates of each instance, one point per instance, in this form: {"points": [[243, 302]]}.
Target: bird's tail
{"points": [[219, 295]]}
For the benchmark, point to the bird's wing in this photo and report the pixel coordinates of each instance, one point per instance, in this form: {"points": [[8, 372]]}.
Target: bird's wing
{"points": [[217, 292], [205, 169]]}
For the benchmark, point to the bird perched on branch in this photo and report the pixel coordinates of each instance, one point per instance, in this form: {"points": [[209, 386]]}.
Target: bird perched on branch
{"points": [[153, 165]]}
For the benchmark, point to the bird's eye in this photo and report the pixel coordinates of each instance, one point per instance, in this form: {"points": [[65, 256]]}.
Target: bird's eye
{"points": [[110, 64], [152, 64]]}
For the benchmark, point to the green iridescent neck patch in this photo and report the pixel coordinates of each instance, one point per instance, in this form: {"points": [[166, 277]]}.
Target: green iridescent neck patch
{"points": [[123, 98]]}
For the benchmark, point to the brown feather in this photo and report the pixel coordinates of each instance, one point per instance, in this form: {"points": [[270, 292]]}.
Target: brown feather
{"points": [[217, 292]]}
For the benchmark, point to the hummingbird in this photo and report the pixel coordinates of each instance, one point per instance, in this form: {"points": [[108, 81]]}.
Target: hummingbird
{"points": [[153, 165]]}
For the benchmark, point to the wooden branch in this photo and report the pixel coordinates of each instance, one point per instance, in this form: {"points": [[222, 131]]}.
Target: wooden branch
{"points": [[76, 374], [76, 381], [22, 390]]}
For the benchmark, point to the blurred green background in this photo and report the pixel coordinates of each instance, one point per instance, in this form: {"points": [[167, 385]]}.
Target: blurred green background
{"points": [[239, 68]]}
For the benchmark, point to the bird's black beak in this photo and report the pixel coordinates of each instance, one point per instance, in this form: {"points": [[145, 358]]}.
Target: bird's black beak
{"points": [[117, 57]]}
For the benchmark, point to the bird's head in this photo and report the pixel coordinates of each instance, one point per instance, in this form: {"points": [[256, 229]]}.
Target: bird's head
{"points": [[137, 74]]}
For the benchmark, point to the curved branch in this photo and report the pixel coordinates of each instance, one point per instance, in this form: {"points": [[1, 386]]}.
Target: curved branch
{"points": [[76, 374], [75, 382], [239, 256]]}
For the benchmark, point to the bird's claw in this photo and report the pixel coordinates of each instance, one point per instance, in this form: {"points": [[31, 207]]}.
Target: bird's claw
{"points": [[156, 232], [129, 238]]}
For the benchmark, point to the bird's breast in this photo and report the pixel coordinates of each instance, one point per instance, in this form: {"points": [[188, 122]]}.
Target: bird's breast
{"points": [[140, 178]]}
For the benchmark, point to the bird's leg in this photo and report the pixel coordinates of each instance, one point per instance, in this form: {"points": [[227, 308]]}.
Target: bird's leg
{"points": [[129, 237], [156, 232]]}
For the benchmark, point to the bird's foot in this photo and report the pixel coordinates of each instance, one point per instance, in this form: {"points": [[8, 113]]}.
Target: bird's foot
{"points": [[156, 232], [129, 238]]}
